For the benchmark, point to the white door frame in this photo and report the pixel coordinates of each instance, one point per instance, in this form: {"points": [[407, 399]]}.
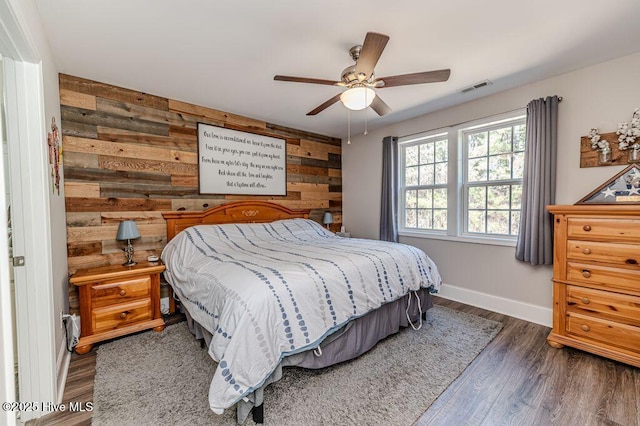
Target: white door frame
{"points": [[26, 134]]}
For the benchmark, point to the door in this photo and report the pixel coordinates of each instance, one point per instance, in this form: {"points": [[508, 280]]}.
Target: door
{"points": [[30, 234], [25, 126], [9, 354], [7, 209]]}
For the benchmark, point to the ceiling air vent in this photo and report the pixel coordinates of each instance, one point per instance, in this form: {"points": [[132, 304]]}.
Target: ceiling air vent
{"points": [[475, 86]]}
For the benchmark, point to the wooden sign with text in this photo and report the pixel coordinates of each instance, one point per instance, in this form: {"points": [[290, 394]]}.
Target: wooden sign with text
{"points": [[236, 162]]}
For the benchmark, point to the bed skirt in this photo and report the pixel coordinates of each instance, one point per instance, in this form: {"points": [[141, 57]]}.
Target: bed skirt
{"points": [[348, 342]]}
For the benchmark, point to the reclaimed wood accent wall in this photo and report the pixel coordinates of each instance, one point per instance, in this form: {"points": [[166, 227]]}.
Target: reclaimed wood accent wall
{"points": [[132, 155]]}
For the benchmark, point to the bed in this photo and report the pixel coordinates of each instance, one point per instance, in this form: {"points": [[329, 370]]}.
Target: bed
{"points": [[266, 287]]}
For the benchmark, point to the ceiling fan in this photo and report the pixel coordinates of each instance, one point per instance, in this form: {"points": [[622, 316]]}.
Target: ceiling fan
{"points": [[360, 80]]}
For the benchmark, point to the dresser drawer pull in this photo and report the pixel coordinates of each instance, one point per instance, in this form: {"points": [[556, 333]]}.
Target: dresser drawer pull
{"points": [[586, 273], [587, 228], [123, 293], [123, 315], [585, 327], [586, 300], [587, 251]]}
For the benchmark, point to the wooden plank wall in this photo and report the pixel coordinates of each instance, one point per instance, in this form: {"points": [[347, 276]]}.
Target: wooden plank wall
{"points": [[589, 156], [132, 155]]}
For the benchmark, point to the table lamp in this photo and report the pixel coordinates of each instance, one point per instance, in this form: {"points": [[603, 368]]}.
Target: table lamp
{"points": [[327, 219], [128, 230]]}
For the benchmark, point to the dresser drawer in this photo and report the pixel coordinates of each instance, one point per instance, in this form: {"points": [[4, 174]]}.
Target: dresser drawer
{"points": [[120, 291], [599, 330], [602, 304], [616, 253], [121, 315], [604, 276], [606, 229]]}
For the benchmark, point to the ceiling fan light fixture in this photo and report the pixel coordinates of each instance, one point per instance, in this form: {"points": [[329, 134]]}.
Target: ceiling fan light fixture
{"points": [[357, 98]]}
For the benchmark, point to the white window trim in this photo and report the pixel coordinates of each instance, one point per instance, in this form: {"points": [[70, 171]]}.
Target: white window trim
{"points": [[455, 195]]}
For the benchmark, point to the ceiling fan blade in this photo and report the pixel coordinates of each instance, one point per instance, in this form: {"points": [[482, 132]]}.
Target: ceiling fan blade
{"points": [[374, 44], [379, 106], [305, 80], [325, 105], [416, 78]]}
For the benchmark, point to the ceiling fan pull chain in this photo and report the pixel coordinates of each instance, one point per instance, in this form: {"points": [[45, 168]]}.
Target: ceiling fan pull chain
{"points": [[348, 127], [365, 113]]}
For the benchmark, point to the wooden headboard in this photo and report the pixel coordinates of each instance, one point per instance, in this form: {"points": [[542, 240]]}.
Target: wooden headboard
{"points": [[236, 212]]}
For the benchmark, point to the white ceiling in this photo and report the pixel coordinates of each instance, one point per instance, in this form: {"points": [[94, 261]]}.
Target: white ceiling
{"points": [[224, 54]]}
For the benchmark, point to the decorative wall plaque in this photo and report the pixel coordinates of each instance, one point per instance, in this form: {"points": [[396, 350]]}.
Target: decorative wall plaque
{"points": [[235, 162]]}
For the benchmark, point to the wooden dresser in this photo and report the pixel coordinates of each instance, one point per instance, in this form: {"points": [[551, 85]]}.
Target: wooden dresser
{"points": [[596, 276], [117, 300]]}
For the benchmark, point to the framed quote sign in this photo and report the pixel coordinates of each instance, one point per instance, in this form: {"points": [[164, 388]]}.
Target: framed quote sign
{"points": [[235, 162]]}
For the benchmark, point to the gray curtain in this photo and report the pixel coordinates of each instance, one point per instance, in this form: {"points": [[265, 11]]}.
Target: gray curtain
{"points": [[389, 202], [535, 238]]}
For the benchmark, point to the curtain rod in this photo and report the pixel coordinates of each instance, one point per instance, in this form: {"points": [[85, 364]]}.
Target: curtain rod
{"points": [[469, 121]]}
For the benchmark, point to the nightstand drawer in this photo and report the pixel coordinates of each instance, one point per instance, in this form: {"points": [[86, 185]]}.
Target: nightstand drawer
{"points": [[607, 229], [121, 315], [120, 291], [618, 307], [608, 278], [617, 253], [609, 332]]}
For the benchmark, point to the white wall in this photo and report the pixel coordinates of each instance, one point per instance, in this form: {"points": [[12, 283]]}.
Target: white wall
{"points": [[598, 96], [30, 18]]}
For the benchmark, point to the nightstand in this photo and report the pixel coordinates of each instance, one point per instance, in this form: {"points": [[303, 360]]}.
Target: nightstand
{"points": [[117, 300]]}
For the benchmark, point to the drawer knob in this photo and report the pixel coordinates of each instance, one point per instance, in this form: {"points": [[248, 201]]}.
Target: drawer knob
{"points": [[586, 273], [122, 292], [586, 300], [585, 327], [587, 251], [587, 228], [123, 315]]}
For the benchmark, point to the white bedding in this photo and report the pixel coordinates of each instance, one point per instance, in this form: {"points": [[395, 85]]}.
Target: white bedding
{"points": [[265, 291]]}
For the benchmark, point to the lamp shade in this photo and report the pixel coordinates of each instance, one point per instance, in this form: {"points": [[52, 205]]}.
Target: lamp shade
{"points": [[127, 230], [357, 98], [327, 218]]}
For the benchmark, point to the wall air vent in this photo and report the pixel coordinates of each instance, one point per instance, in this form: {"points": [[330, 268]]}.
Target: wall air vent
{"points": [[475, 86]]}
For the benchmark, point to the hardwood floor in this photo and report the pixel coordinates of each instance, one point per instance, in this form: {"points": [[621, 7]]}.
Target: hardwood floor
{"points": [[516, 380]]}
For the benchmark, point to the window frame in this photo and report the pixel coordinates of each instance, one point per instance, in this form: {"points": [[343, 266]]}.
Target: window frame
{"points": [[466, 184], [456, 195], [433, 137]]}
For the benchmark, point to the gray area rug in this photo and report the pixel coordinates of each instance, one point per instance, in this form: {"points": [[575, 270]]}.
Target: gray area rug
{"points": [[163, 378]]}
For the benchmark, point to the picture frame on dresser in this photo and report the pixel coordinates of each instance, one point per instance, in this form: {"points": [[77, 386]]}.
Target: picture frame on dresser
{"points": [[596, 271]]}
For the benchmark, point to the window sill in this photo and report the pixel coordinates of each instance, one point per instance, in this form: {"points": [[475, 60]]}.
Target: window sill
{"points": [[461, 238]]}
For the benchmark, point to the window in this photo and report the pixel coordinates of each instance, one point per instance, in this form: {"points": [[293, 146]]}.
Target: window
{"points": [[463, 182], [424, 183], [494, 161]]}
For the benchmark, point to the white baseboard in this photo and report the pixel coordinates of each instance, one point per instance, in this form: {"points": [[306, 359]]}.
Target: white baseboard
{"points": [[513, 308], [64, 358]]}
